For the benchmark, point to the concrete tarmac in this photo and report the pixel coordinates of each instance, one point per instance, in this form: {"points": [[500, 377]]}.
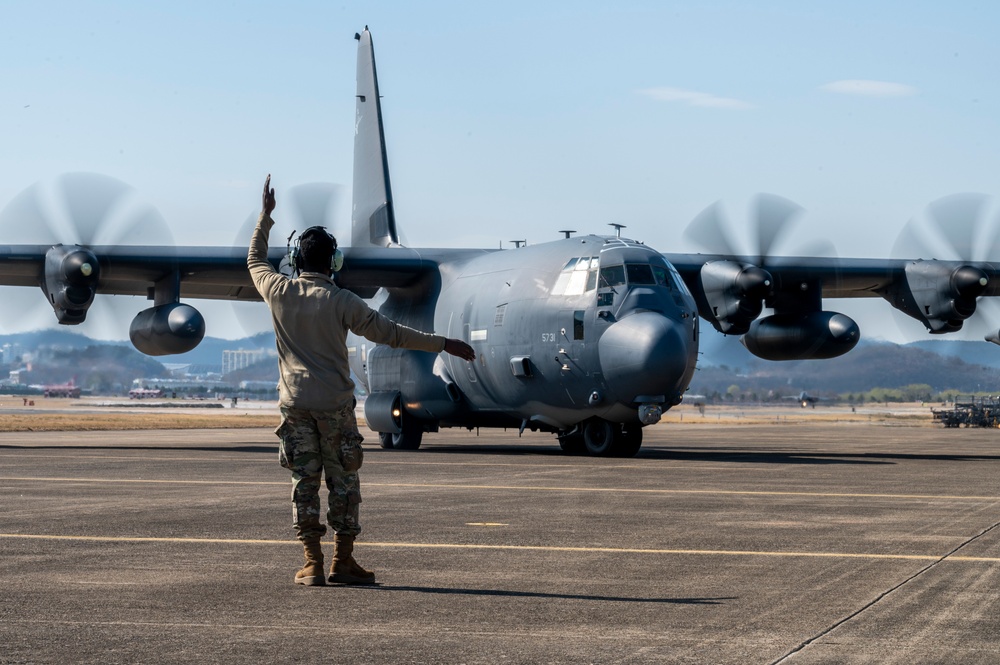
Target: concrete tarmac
{"points": [[718, 544]]}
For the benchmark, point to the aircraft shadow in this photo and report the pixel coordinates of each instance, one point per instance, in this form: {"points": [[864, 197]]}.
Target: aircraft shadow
{"points": [[538, 594], [152, 449], [823, 457], [728, 455], [754, 457]]}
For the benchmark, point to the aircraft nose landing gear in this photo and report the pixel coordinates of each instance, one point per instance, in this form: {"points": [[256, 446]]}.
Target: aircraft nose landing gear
{"points": [[602, 438]]}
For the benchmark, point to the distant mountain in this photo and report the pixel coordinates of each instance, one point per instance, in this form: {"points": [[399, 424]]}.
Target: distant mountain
{"points": [[208, 353], [726, 363], [63, 339], [976, 353], [717, 349]]}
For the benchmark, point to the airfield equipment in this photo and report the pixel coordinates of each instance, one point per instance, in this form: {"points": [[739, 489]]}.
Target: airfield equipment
{"points": [[970, 411]]}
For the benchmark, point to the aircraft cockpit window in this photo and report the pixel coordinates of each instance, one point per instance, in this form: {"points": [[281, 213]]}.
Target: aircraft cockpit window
{"points": [[640, 273], [578, 276], [662, 276], [612, 276], [679, 281]]}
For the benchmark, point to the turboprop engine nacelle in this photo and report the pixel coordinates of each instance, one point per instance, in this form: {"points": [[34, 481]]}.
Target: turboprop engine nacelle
{"points": [[167, 329], [811, 336], [938, 295], [70, 281], [734, 294]]}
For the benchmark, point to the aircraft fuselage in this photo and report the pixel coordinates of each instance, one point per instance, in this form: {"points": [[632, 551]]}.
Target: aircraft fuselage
{"points": [[567, 331]]}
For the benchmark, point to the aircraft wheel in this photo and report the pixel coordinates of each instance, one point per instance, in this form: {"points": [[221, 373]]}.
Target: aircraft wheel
{"points": [[572, 444], [385, 440], [599, 437], [411, 434], [628, 441]]}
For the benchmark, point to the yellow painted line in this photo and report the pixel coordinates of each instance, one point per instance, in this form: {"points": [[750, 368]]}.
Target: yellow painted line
{"points": [[633, 490], [118, 481], [518, 548], [527, 488], [139, 457], [486, 524]]}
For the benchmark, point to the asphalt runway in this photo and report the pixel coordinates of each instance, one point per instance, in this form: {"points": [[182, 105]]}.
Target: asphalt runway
{"points": [[718, 544]]}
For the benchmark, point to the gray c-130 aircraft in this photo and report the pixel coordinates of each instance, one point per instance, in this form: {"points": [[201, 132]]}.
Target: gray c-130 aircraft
{"points": [[589, 337]]}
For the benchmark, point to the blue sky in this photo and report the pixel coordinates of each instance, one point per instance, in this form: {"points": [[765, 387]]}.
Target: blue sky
{"points": [[518, 119]]}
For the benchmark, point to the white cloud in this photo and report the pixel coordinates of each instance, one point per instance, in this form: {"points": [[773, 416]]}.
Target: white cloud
{"points": [[694, 98], [869, 88]]}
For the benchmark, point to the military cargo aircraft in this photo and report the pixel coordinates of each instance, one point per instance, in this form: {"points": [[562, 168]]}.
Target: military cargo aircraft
{"points": [[589, 337]]}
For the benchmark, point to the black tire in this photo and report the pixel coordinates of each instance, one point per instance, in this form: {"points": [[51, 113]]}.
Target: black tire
{"points": [[385, 440], [628, 441], [599, 437], [410, 436]]}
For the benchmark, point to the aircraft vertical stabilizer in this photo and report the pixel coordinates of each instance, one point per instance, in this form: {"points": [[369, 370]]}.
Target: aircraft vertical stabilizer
{"points": [[372, 218]]}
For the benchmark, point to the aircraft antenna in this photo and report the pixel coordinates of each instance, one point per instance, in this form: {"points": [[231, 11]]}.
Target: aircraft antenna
{"points": [[567, 233], [618, 228]]}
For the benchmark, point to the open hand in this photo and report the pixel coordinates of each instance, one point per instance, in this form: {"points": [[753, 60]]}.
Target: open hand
{"points": [[268, 202], [460, 349]]}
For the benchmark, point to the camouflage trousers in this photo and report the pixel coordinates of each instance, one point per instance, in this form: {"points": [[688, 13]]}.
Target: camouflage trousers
{"points": [[318, 444]]}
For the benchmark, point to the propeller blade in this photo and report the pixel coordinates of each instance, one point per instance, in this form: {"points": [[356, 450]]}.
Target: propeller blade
{"points": [[912, 243], [90, 202], [958, 218], [313, 203], [991, 248], [774, 214], [710, 231], [25, 221], [25, 310], [139, 226]]}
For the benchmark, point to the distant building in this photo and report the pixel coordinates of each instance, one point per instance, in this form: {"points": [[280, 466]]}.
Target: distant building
{"points": [[181, 384], [242, 358], [259, 386], [11, 353]]}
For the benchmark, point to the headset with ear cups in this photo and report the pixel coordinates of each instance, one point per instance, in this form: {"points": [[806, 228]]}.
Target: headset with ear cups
{"points": [[295, 252]]}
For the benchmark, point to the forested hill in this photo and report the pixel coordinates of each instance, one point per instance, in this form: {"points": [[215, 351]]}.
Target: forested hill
{"points": [[870, 365]]}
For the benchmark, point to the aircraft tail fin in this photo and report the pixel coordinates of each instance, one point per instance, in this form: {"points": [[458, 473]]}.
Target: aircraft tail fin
{"points": [[373, 221]]}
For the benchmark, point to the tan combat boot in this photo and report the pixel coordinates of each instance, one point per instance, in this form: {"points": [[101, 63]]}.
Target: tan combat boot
{"points": [[345, 569], [312, 573]]}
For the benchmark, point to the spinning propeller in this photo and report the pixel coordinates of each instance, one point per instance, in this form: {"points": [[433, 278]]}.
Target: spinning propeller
{"points": [[770, 221], [963, 228], [735, 285], [88, 210]]}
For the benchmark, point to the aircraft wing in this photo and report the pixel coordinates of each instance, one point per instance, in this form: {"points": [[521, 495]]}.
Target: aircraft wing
{"points": [[732, 290], [838, 277], [217, 273]]}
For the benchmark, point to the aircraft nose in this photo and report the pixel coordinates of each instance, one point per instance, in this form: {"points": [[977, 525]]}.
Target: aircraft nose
{"points": [[643, 354]]}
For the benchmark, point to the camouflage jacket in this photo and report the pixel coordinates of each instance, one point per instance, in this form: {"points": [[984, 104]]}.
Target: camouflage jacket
{"points": [[312, 317]]}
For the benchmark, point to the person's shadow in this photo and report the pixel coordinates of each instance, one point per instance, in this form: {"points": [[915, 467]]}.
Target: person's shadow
{"points": [[539, 594]]}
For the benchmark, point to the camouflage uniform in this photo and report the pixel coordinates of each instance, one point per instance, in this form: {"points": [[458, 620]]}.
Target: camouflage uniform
{"points": [[319, 434], [314, 444]]}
